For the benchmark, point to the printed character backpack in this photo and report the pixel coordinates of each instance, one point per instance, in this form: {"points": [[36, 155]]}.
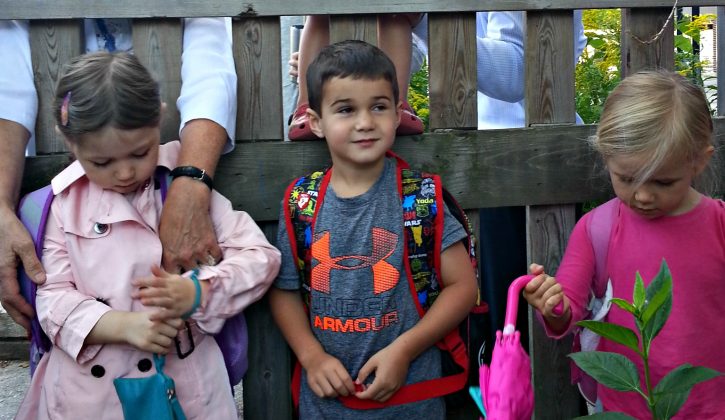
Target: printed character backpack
{"points": [[33, 212], [423, 198]]}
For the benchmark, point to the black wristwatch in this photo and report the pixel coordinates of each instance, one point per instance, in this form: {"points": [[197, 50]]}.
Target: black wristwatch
{"points": [[195, 173]]}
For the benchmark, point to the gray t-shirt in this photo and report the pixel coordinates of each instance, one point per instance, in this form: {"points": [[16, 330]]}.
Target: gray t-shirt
{"points": [[361, 300]]}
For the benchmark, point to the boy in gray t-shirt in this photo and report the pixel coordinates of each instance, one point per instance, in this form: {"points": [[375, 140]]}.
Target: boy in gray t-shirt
{"points": [[363, 336]]}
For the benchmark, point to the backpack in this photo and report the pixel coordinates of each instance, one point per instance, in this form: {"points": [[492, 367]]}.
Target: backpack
{"points": [[422, 197], [33, 212], [599, 229]]}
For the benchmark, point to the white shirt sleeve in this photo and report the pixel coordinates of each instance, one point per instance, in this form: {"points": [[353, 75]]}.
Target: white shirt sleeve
{"points": [[18, 98], [209, 79], [500, 55]]}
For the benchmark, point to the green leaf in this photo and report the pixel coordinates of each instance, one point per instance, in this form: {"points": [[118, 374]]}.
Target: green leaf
{"points": [[683, 43], [614, 332], [657, 320], [672, 391], [669, 404], [624, 305], [609, 415], [656, 302], [597, 43], [612, 370], [638, 295], [684, 377]]}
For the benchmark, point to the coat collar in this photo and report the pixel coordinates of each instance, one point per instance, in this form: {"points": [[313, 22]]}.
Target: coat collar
{"points": [[85, 204], [168, 155]]}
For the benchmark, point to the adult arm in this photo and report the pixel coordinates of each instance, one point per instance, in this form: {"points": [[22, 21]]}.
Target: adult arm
{"points": [[208, 112], [500, 55], [18, 110]]}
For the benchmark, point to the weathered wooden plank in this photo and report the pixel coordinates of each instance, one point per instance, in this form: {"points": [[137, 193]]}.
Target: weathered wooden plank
{"points": [[452, 68], [157, 44], [38, 9], [259, 85], [549, 68], [548, 229], [52, 44], [549, 99], [646, 45], [362, 27], [267, 382], [720, 46], [538, 165]]}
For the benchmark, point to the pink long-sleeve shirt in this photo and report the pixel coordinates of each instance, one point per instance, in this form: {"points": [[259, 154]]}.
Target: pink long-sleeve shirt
{"points": [[89, 273], [693, 244]]}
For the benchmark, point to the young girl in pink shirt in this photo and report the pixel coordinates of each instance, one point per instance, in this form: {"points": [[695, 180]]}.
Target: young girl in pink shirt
{"points": [[656, 139], [106, 306]]}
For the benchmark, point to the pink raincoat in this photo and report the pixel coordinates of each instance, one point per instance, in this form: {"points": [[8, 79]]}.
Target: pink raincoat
{"points": [[97, 241]]}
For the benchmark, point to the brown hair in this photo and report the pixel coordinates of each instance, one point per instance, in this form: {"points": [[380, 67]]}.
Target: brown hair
{"points": [[102, 89]]}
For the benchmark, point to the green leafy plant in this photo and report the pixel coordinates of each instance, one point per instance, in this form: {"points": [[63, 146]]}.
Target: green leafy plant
{"points": [[418, 94], [650, 308]]}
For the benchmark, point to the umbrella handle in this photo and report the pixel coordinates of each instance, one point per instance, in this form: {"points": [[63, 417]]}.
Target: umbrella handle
{"points": [[512, 302]]}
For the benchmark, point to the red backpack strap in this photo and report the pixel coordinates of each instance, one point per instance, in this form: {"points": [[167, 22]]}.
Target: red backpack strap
{"points": [[303, 197]]}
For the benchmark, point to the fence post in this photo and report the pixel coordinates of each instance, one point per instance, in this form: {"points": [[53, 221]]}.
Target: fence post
{"points": [[549, 54], [646, 43]]}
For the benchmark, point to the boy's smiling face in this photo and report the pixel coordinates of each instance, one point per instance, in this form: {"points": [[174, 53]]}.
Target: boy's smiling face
{"points": [[358, 118]]}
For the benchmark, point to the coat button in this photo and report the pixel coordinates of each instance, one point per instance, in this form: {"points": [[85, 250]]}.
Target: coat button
{"points": [[144, 365], [100, 228], [98, 371]]}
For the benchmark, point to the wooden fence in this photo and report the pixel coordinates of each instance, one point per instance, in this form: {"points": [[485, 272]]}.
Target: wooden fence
{"points": [[546, 166]]}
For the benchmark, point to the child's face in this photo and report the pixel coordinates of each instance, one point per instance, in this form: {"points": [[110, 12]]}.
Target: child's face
{"points": [[358, 118], [666, 193], [119, 160]]}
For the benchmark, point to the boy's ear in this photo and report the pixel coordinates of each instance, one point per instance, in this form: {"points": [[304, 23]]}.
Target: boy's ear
{"points": [[314, 121]]}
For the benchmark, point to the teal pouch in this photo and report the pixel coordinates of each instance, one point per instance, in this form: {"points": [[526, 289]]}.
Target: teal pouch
{"points": [[150, 398]]}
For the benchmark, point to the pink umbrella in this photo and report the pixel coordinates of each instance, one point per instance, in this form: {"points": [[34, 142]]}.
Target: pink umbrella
{"points": [[506, 384]]}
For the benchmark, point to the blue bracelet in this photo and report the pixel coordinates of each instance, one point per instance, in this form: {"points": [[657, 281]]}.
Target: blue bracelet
{"points": [[197, 296]]}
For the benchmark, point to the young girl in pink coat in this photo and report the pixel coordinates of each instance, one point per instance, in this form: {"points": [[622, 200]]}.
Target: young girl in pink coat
{"points": [[106, 305], [656, 139]]}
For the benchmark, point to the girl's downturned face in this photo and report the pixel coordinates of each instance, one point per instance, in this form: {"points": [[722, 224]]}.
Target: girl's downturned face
{"points": [[119, 160], [667, 192]]}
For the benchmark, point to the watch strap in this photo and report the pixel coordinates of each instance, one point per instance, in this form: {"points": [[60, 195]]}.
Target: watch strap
{"points": [[193, 172]]}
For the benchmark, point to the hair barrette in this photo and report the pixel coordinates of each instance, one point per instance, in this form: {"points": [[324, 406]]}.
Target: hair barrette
{"points": [[64, 109]]}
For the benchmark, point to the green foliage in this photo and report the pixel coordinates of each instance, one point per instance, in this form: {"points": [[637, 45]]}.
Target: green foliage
{"points": [[418, 94], [598, 70], [650, 308]]}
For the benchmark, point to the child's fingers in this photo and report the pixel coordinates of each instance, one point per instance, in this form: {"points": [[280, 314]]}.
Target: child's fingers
{"points": [[536, 269], [533, 287]]}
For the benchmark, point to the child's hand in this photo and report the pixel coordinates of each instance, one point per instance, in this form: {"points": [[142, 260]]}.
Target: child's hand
{"points": [[545, 294], [152, 336], [172, 293], [327, 377], [390, 367]]}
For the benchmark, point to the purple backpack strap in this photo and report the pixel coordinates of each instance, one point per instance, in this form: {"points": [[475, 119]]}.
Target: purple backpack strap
{"points": [[33, 212], [600, 230]]}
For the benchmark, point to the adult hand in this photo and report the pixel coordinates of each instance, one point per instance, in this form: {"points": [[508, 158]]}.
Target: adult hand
{"points": [[16, 244], [186, 230]]}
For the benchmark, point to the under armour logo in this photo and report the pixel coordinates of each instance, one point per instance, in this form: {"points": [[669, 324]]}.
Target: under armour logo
{"points": [[385, 276]]}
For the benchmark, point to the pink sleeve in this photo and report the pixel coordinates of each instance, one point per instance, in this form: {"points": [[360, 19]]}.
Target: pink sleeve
{"points": [[66, 315], [249, 266], [575, 274]]}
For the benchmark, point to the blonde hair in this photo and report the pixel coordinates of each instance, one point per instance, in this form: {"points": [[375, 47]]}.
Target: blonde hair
{"points": [[657, 113]]}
